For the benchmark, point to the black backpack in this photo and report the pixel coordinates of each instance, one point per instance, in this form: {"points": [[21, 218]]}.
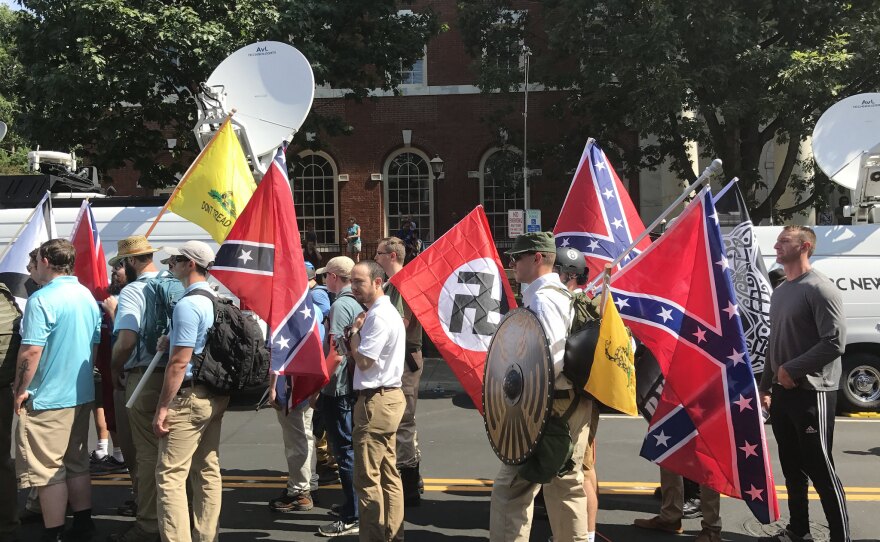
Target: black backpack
{"points": [[235, 355]]}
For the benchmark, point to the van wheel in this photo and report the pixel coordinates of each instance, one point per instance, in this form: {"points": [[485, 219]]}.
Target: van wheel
{"points": [[860, 383]]}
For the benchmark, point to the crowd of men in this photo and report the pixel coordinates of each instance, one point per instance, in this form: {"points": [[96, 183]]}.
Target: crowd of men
{"points": [[168, 423]]}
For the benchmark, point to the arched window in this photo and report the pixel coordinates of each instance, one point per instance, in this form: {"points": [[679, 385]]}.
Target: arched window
{"points": [[313, 181], [409, 192], [501, 188]]}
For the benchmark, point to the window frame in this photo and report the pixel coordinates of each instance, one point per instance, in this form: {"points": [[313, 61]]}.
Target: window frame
{"points": [[426, 234], [335, 172]]}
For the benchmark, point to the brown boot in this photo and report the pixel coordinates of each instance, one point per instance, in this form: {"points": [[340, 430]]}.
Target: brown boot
{"points": [[657, 524]]}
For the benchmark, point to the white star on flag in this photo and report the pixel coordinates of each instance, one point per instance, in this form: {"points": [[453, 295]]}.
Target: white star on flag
{"points": [[600, 165], [666, 314], [306, 312], [565, 242], [621, 303], [283, 342], [737, 357], [617, 223], [731, 309], [749, 449], [661, 439], [714, 216], [593, 244], [608, 193], [245, 256], [755, 493], [743, 403], [700, 335], [724, 263]]}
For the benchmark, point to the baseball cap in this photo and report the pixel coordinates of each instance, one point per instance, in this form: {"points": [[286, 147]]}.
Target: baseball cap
{"points": [[196, 251], [536, 241], [340, 265], [310, 270]]}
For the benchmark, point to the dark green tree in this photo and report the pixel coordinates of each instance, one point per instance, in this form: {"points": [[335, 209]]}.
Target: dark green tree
{"points": [[13, 154], [116, 78], [731, 76]]}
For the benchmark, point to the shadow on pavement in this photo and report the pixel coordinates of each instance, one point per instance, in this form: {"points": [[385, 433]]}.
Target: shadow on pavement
{"points": [[872, 451]]}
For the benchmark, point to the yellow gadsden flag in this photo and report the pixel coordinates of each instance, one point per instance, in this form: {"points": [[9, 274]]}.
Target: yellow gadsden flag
{"points": [[216, 187], [613, 376]]}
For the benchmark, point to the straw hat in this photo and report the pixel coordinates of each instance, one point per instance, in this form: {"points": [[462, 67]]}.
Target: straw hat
{"points": [[136, 245]]}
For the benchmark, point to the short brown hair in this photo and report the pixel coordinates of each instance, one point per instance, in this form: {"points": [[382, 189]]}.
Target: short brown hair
{"points": [[806, 234], [395, 245], [60, 254]]}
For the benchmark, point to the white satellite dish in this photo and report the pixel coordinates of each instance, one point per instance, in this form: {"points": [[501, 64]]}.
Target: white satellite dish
{"points": [[3, 129], [845, 132], [271, 86]]}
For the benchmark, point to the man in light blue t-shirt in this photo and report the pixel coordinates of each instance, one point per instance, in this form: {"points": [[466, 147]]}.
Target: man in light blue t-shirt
{"points": [[188, 417], [54, 390]]}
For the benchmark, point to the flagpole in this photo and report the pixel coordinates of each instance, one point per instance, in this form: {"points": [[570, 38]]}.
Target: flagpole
{"points": [[23, 224], [606, 283], [186, 175], [701, 180]]}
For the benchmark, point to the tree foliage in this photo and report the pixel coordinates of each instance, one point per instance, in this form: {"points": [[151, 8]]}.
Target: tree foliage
{"points": [[116, 78], [13, 155], [731, 76]]}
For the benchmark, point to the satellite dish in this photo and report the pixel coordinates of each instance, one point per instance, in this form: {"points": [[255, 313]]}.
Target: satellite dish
{"points": [[3, 129], [845, 132], [271, 86]]}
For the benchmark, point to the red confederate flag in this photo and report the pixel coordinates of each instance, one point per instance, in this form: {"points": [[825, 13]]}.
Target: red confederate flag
{"points": [[598, 217], [90, 266], [677, 298], [262, 263], [458, 290]]}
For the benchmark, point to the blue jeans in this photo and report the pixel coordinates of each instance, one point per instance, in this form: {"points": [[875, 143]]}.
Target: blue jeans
{"points": [[336, 412]]}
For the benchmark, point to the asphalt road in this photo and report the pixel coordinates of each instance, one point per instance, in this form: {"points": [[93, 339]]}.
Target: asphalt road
{"points": [[458, 466]]}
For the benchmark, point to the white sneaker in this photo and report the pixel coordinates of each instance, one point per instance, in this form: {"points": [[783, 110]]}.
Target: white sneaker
{"points": [[339, 528]]}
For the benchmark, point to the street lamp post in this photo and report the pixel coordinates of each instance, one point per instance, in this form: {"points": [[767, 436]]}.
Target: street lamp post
{"points": [[526, 54]]}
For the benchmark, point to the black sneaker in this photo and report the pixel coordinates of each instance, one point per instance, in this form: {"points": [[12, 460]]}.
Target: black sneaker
{"points": [[691, 509], [786, 536], [339, 528]]}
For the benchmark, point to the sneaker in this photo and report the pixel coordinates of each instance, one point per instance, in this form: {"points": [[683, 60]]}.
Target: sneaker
{"points": [[785, 536], [335, 510], [339, 528], [135, 533], [114, 466], [301, 502], [691, 509], [128, 509]]}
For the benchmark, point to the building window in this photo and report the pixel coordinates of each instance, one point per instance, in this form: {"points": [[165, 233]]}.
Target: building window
{"points": [[409, 193], [501, 188], [313, 181], [413, 74]]}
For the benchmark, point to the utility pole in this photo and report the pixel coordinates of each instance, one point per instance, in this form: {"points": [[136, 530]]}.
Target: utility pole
{"points": [[526, 54]]}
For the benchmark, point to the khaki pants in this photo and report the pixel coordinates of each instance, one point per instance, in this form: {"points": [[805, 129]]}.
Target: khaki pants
{"points": [[124, 438], [140, 420], [376, 479], [408, 454], [299, 447], [192, 446], [510, 516], [672, 501]]}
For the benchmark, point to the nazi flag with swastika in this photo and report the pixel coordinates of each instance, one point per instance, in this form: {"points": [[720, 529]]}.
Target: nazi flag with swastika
{"points": [[458, 290]]}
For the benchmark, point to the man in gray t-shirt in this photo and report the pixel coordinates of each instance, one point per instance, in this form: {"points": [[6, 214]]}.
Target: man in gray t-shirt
{"points": [[800, 381], [337, 397]]}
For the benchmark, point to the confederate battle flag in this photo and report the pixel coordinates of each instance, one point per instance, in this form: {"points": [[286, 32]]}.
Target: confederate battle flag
{"points": [[262, 263], [458, 290], [598, 217], [90, 266], [677, 298]]}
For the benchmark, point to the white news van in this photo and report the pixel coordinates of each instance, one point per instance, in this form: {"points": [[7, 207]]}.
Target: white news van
{"points": [[850, 257]]}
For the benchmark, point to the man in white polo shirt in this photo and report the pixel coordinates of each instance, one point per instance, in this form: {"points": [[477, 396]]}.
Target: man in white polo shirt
{"points": [[377, 344]]}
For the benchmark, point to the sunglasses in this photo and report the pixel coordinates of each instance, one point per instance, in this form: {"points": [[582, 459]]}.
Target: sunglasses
{"points": [[517, 257], [179, 259]]}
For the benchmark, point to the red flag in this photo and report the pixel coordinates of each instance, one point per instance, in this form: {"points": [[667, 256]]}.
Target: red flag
{"points": [[458, 290], [262, 263], [598, 217], [90, 266], [678, 299]]}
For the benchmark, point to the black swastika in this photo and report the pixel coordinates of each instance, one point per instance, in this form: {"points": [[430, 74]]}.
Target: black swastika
{"points": [[482, 303]]}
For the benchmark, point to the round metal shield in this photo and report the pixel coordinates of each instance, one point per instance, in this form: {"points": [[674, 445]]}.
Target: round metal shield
{"points": [[517, 386]]}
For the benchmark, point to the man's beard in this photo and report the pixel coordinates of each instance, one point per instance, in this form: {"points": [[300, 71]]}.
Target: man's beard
{"points": [[130, 273], [116, 286]]}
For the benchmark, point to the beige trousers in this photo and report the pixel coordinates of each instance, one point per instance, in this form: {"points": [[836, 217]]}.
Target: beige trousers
{"points": [[376, 478], [124, 438], [510, 515], [146, 445], [192, 446], [299, 447], [672, 501]]}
